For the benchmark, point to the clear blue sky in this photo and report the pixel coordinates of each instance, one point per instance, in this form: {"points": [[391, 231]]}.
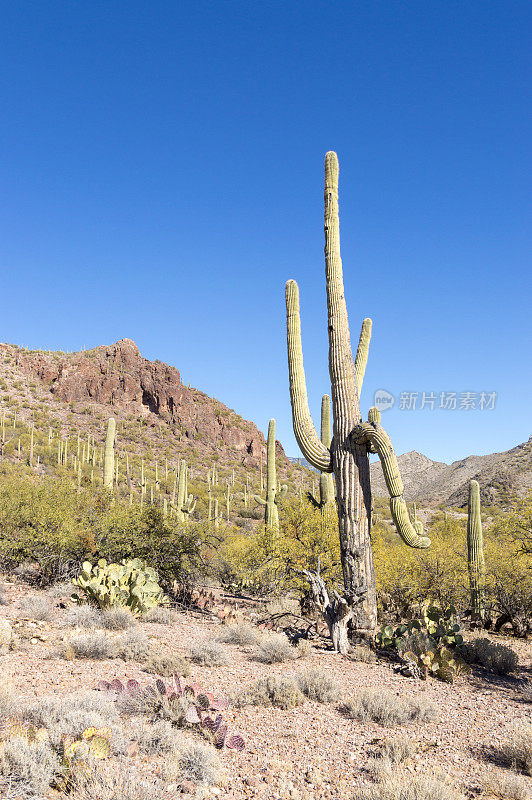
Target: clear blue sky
{"points": [[162, 177]]}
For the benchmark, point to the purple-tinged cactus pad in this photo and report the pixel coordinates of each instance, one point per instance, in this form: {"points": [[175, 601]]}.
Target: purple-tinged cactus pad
{"points": [[235, 742]]}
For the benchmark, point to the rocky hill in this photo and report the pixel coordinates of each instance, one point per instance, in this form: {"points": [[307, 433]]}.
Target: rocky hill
{"points": [[155, 411], [501, 476]]}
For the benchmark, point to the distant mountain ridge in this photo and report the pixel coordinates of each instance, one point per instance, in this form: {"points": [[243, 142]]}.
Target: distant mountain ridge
{"points": [[501, 476]]}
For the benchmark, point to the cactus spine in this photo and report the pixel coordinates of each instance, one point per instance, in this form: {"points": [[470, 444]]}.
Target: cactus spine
{"points": [[271, 513], [109, 455], [475, 552], [347, 456]]}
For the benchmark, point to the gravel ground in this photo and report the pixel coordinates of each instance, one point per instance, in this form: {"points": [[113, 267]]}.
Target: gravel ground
{"points": [[311, 751]]}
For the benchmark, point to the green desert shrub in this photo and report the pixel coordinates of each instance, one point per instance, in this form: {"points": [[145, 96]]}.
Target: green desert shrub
{"points": [[51, 522], [388, 709]]}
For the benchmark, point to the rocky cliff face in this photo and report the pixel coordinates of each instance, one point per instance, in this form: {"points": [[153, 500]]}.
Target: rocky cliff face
{"points": [[136, 388]]}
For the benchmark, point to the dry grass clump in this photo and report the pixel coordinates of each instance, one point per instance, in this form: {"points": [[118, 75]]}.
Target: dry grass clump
{"points": [[208, 654], [71, 714], [239, 633], [492, 656], [35, 607], [96, 645], [117, 619], [509, 787], [271, 691], [133, 646], [524, 691], [61, 590], [318, 685], [166, 664], [160, 616], [8, 702], [116, 780], [194, 761], [517, 750], [274, 648], [387, 709], [363, 654], [31, 765], [153, 738], [399, 784], [83, 616]]}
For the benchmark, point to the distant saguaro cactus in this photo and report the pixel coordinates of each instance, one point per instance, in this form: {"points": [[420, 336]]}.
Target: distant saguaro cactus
{"points": [[347, 456], [326, 499], [109, 454], [271, 513], [475, 552], [185, 501]]}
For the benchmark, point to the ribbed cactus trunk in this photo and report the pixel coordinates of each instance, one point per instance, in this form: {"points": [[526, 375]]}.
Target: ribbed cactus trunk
{"points": [[109, 455], [271, 514], [475, 552], [350, 461]]}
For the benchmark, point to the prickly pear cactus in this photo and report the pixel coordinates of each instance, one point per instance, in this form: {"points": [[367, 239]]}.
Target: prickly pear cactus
{"points": [[130, 583]]}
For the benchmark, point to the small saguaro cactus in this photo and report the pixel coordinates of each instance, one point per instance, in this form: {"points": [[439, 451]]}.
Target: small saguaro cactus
{"points": [[347, 457], [185, 501], [109, 455], [475, 552], [271, 513], [326, 499]]}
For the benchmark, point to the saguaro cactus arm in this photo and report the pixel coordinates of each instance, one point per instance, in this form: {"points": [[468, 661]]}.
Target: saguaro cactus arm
{"points": [[372, 433], [307, 438], [361, 358]]}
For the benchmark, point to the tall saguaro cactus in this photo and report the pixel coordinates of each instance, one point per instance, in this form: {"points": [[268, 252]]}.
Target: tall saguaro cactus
{"points": [[271, 513], [475, 552], [109, 455], [347, 455]]}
